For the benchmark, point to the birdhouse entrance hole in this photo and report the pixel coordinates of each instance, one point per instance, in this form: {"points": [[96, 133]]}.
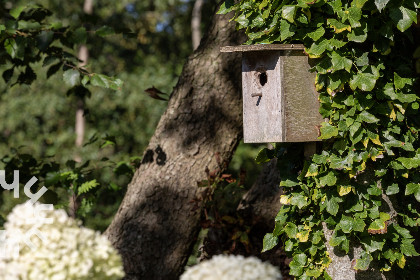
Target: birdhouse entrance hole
{"points": [[263, 78]]}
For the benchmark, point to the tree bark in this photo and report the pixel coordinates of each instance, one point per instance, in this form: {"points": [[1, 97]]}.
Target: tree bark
{"points": [[157, 223]]}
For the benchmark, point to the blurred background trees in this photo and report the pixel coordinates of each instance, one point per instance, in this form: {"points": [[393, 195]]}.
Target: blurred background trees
{"points": [[151, 42]]}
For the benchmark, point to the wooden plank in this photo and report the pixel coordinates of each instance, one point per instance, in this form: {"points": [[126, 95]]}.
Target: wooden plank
{"points": [[262, 47], [262, 97], [301, 104]]}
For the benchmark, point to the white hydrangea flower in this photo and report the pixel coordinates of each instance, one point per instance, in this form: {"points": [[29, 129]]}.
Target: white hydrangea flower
{"points": [[62, 249], [232, 268]]}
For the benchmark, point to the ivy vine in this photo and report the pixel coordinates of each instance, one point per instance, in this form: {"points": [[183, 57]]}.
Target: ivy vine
{"points": [[365, 184]]}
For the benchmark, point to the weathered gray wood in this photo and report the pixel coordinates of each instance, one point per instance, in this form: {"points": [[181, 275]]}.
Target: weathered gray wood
{"points": [[301, 105], [262, 115], [262, 47], [279, 98]]}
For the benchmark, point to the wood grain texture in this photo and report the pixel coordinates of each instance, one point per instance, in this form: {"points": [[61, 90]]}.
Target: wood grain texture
{"points": [[301, 105], [262, 115], [283, 106], [262, 47]]}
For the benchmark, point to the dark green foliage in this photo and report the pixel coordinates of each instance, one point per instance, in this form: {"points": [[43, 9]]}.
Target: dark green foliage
{"points": [[363, 55]]}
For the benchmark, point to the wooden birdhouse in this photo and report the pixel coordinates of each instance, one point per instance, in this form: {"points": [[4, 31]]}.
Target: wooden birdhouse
{"points": [[280, 103]]}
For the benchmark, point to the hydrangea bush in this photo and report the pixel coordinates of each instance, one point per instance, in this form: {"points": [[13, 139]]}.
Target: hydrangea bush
{"points": [[62, 250], [232, 268]]}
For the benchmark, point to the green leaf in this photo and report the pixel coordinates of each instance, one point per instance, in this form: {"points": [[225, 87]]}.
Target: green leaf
{"points": [[403, 17], [105, 31], [332, 205], [367, 117], [346, 224], [317, 34], [407, 248], [359, 225], [413, 188], [288, 246], [377, 224], [99, 80], [15, 12], [291, 230], [364, 262], [299, 200], [340, 62], [363, 81], [338, 26], [328, 180], [328, 131], [288, 183], [380, 4], [269, 242], [288, 12], [297, 264], [286, 30], [358, 35], [79, 36], [71, 77], [401, 82], [264, 155], [226, 7], [392, 189], [87, 186]]}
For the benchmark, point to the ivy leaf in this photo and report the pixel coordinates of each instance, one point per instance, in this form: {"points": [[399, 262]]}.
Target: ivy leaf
{"points": [[332, 205], [264, 155], [328, 180], [358, 35], [359, 225], [317, 49], [270, 241], [71, 77], [226, 7], [392, 189], [346, 224], [403, 17], [288, 246], [288, 12], [353, 15], [299, 200], [288, 183], [380, 4], [291, 230], [363, 81], [367, 117], [328, 131], [340, 62], [413, 188], [297, 264], [377, 225], [407, 248], [286, 30], [317, 34], [338, 26], [364, 262], [400, 82]]}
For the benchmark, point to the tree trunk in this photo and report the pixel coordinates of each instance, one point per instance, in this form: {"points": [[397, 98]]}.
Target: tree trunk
{"points": [[196, 23], [157, 223]]}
